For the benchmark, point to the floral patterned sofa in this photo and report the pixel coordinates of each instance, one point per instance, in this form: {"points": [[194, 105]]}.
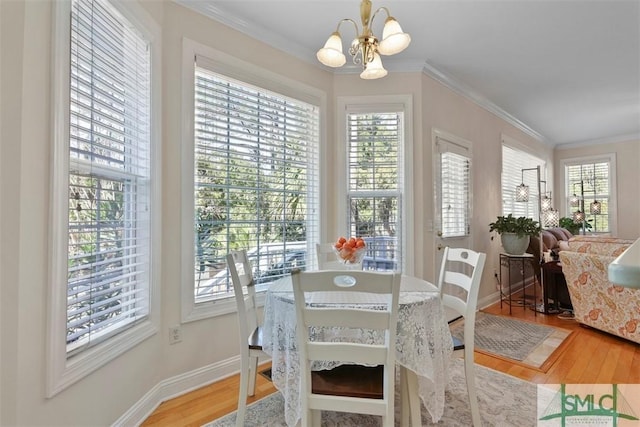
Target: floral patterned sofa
{"points": [[596, 301]]}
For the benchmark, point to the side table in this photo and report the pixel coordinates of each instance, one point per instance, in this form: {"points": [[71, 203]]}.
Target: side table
{"points": [[506, 260], [555, 287]]}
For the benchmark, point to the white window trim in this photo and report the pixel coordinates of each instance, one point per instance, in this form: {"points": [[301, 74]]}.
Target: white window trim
{"points": [[63, 371], [378, 103], [613, 198], [248, 73]]}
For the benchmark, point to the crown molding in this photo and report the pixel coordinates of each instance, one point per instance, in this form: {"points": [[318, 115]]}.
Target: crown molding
{"points": [[252, 29], [600, 141], [481, 101]]}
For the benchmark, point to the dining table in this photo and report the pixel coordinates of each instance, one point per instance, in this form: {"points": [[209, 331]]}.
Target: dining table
{"points": [[423, 345]]}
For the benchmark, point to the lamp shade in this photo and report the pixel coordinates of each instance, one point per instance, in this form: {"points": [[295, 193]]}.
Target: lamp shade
{"points": [[595, 207], [331, 54], [578, 217], [545, 203], [393, 39], [551, 218], [574, 201], [374, 69], [522, 193]]}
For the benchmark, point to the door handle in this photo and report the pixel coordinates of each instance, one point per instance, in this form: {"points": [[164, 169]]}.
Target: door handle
{"points": [[439, 233]]}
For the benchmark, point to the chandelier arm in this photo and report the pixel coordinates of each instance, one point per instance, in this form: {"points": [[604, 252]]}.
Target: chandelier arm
{"points": [[376, 12], [355, 25]]}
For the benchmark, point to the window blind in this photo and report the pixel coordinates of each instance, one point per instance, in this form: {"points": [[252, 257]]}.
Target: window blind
{"points": [[513, 161], [375, 185], [454, 189], [255, 180], [109, 175]]}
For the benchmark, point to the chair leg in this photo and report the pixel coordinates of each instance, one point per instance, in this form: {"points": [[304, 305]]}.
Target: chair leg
{"points": [[409, 397], [316, 417], [469, 373], [245, 375], [404, 397], [253, 372]]}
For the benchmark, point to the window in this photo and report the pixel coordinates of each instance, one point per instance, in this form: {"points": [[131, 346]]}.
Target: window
{"points": [[590, 181], [255, 181], [103, 185], [375, 184], [513, 163]]}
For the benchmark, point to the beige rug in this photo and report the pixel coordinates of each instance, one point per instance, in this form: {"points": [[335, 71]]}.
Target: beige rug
{"points": [[504, 401], [525, 343]]}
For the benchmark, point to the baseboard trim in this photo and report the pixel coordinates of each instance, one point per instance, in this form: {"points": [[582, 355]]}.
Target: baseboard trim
{"points": [[176, 386]]}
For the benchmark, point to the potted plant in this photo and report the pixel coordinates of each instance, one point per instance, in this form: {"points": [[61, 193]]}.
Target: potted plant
{"points": [[515, 232], [573, 227]]}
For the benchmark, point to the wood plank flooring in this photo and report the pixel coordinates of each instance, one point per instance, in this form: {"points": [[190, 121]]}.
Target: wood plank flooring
{"points": [[590, 357]]}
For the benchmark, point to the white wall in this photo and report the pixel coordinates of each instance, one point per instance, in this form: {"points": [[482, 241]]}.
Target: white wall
{"points": [[103, 396], [11, 32]]}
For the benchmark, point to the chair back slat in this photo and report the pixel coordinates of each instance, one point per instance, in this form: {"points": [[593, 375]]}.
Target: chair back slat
{"points": [[364, 354], [347, 318], [459, 290]]}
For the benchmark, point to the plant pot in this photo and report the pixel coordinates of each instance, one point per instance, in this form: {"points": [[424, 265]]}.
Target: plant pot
{"points": [[514, 245]]}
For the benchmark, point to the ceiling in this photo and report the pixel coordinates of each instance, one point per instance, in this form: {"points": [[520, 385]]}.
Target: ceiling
{"points": [[567, 72]]}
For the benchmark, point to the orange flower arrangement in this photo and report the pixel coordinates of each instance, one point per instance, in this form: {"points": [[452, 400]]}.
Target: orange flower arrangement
{"points": [[350, 250]]}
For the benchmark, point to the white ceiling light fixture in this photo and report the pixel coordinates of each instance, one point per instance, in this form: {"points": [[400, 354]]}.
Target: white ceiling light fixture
{"points": [[365, 49]]}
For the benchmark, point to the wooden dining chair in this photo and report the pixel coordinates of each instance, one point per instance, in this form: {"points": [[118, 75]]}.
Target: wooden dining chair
{"points": [[364, 382], [250, 330], [459, 283]]}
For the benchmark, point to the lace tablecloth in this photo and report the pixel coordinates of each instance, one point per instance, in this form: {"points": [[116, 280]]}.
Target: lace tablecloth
{"points": [[423, 342]]}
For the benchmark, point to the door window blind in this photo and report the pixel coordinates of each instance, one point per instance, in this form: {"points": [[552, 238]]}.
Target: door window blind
{"points": [[513, 161], [454, 189], [109, 175], [255, 180], [374, 142]]}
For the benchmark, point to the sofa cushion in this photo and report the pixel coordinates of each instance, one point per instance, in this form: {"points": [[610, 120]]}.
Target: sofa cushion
{"points": [[561, 233], [550, 241]]}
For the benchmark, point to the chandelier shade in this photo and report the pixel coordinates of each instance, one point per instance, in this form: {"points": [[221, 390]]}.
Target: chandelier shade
{"points": [[595, 207], [374, 69], [394, 40], [365, 49], [545, 203], [578, 217], [331, 54]]}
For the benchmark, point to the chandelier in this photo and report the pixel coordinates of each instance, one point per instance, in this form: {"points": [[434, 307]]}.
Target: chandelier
{"points": [[365, 48]]}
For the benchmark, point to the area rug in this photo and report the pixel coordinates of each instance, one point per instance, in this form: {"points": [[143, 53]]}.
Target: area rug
{"points": [[504, 401], [525, 343]]}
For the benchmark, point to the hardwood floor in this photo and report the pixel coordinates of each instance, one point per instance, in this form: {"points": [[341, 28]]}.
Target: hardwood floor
{"points": [[590, 357]]}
